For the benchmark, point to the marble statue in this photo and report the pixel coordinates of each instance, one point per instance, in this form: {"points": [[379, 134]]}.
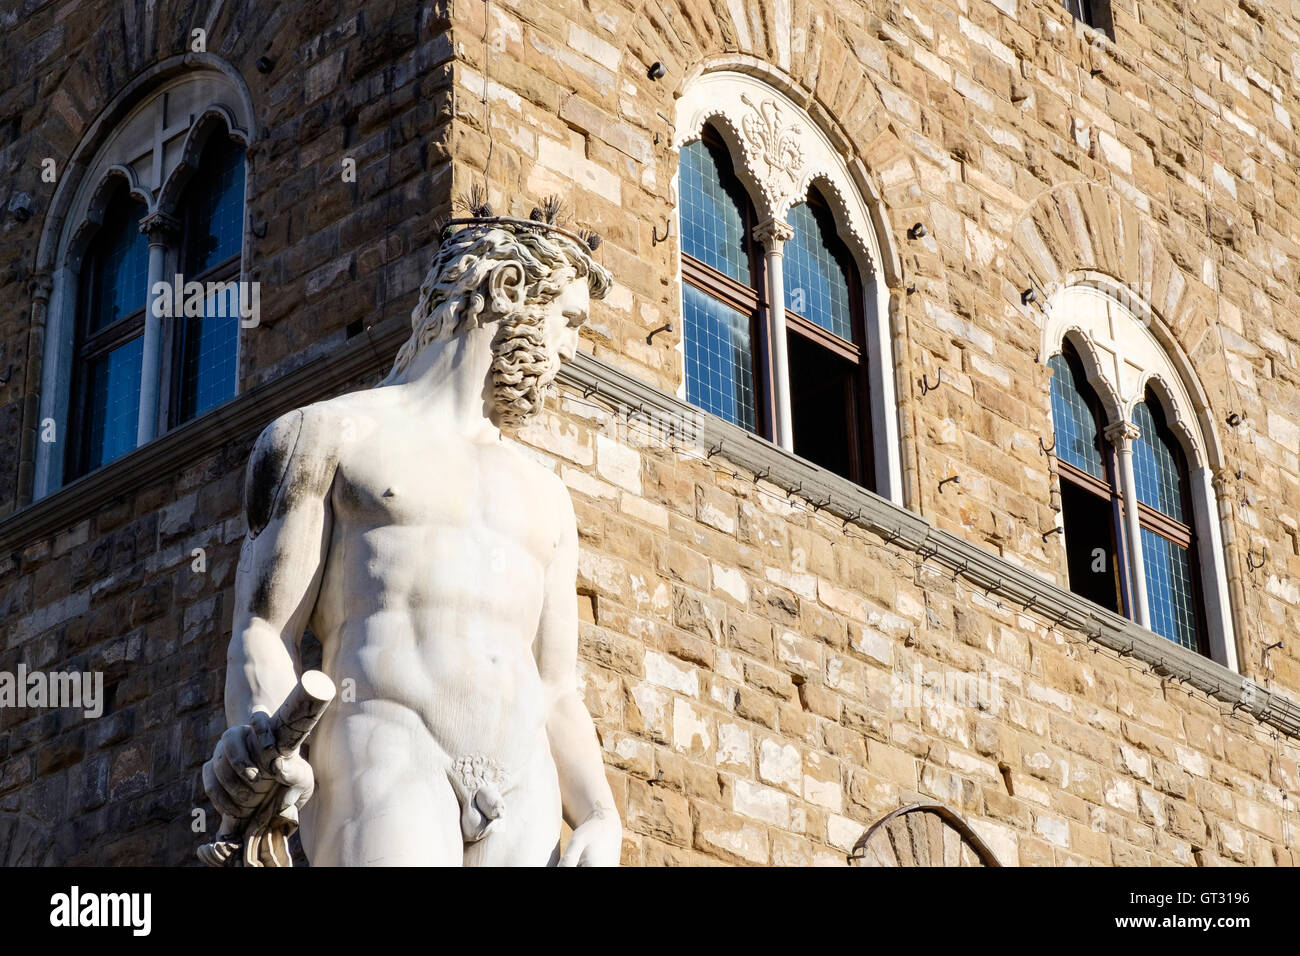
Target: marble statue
{"points": [[436, 564]]}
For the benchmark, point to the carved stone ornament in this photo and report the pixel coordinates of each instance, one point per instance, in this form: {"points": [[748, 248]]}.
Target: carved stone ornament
{"points": [[772, 150], [437, 566]]}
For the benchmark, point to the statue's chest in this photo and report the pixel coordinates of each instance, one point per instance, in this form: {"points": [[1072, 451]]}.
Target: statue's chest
{"points": [[447, 488]]}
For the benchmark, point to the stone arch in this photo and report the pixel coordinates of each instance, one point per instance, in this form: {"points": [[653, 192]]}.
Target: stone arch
{"points": [[1083, 347], [1083, 228], [215, 120], [242, 124], [1084, 233], [922, 834]]}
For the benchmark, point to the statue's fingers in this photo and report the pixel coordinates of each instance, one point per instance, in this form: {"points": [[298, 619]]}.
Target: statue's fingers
{"points": [[260, 740], [244, 795], [226, 805], [294, 772], [235, 749], [574, 851]]}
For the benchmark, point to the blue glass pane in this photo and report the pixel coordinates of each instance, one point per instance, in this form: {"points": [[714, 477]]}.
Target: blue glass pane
{"points": [[1169, 589], [1076, 427], [118, 264], [713, 211], [208, 365], [214, 207], [816, 276], [1155, 467], [719, 358], [113, 403]]}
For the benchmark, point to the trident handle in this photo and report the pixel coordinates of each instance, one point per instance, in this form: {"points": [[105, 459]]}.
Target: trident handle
{"points": [[291, 724]]}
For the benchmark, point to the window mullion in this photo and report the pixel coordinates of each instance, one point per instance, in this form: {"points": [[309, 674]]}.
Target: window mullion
{"points": [[773, 233], [160, 228], [1122, 435]]}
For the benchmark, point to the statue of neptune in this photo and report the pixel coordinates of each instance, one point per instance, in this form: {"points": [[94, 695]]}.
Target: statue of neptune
{"points": [[436, 564]]}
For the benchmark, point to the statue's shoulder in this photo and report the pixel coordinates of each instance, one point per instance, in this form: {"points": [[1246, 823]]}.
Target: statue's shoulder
{"points": [[295, 456], [546, 482]]}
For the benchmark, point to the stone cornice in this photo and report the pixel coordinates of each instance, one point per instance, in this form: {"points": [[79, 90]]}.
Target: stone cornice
{"points": [[840, 497], [598, 381]]}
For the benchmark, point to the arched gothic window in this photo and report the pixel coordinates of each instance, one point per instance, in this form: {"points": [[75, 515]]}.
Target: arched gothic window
{"points": [[111, 304], [785, 328], [1134, 453], [144, 246], [1091, 502], [722, 299], [212, 240], [1168, 539]]}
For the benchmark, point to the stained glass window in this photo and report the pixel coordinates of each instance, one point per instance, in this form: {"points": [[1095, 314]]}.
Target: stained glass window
{"points": [[118, 264], [1076, 426], [113, 403], [719, 358], [214, 201], [1158, 477], [721, 301], [817, 282]]}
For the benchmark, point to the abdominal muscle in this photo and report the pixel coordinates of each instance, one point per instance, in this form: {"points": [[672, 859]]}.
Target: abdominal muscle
{"points": [[432, 703]]}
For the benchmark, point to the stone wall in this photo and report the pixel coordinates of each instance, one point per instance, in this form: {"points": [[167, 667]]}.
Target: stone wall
{"points": [[757, 670]]}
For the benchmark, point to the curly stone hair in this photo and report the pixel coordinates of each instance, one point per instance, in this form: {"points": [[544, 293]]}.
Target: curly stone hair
{"points": [[481, 274]]}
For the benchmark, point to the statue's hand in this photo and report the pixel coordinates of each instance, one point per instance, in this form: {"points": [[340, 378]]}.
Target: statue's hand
{"points": [[598, 840], [245, 771]]}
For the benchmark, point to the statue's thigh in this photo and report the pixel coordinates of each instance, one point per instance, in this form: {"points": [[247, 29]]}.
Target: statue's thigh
{"points": [[392, 807]]}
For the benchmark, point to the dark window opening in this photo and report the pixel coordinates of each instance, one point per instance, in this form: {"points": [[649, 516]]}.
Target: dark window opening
{"points": [[825, 408], [1094, 13], [1092, 551]]}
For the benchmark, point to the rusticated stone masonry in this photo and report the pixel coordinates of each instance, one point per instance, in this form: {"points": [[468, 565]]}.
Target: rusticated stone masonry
{"points": [[766, 681]]}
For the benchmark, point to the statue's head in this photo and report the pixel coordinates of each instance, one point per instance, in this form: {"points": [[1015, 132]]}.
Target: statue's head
{"points": [[531, 277]]}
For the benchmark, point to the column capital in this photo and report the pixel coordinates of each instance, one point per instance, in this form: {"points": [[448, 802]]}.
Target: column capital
{"points": [[773, 232], [40, 286], [1221, 482], [160, 227], [1122, 434]]}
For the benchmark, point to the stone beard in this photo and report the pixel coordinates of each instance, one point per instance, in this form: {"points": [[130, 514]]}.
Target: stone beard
{"points": [[382, 518]]}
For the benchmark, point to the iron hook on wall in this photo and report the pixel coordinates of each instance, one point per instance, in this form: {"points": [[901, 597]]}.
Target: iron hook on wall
{"points": [[1046, 449], [666, 327], [655, 238], [926, 387]]}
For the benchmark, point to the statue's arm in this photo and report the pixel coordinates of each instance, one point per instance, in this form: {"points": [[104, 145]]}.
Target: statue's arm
{"points": [[286, 498], [584, 789]]}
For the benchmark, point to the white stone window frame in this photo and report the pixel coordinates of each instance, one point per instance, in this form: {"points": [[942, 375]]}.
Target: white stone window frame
{"points": [[150, 136], [1126, 349], [753, 117]]}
